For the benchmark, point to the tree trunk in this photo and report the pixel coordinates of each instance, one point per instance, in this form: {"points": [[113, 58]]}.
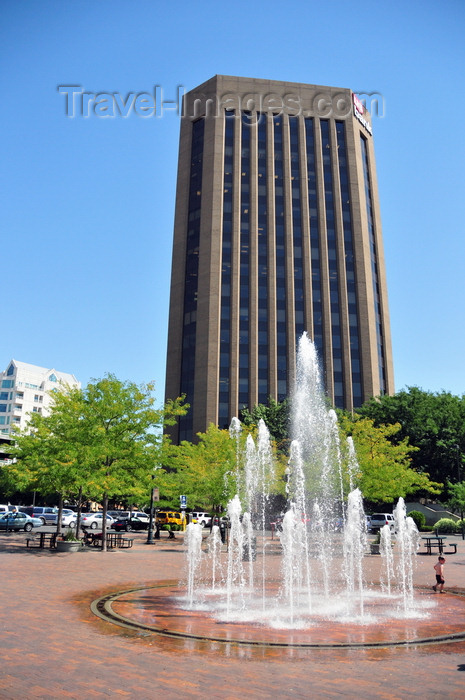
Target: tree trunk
{"points": [[104, 522], [79, 511], [60, 514]]}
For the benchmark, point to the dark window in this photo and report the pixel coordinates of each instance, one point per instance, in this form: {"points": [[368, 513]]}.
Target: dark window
{"points": [[191, 276]]}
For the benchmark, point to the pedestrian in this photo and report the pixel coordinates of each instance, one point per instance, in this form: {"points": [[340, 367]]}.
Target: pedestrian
{"points": [[439, 569]]}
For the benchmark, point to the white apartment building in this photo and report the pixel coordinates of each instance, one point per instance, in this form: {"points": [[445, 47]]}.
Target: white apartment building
{"points": [[26, 389]]}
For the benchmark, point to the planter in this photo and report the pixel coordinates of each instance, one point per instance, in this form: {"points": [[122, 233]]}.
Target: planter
{"points": [[68, 546], [375, 548]]}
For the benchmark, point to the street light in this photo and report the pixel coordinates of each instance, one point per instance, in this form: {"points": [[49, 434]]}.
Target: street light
{"points": [[152, 499], [459, 474]]}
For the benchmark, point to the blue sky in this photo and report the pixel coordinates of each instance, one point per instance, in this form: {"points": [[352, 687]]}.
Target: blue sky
{"points": [[87, 204]]}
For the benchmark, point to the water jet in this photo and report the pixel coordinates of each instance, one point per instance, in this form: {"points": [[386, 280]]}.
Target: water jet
{"points": [[320, 576]]}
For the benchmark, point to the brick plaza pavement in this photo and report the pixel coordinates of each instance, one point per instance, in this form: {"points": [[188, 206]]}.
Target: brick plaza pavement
{"points": [[52, 646]]}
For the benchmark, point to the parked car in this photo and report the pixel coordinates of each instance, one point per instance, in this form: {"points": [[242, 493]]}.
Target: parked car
{"points": [[19, 521], [47, 514], [119, 514], [204, 519], [68, 518], [173, 519], [126, 514], [145, 517], [378, 520], [129, 524], [95, 520]]}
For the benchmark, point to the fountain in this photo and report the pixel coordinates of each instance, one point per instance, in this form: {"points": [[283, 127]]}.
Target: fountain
{"points": [[319, 575], [311, 587]]}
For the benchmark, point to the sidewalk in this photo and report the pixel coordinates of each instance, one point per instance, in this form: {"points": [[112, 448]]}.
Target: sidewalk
{"points": [[52, 646]]}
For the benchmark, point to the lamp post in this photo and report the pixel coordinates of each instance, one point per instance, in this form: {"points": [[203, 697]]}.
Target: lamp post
{"points": [[152, 499], [459, 475], [459, 472], [287, 476]]}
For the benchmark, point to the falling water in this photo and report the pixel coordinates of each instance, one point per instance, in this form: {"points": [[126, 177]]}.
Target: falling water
{"points": [[235, 577], [387, 558], [407, 538], [194, 554], [296, 539], [235, 430], [355, 543], [215, 556], [321, 574], [352, 465]]}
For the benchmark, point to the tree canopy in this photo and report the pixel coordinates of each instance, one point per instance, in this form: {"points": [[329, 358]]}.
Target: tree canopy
{"points": [[103, 440], [276, 417], [385, 471], [386, 457], [434, 423], [202, 471], [211, 471]]}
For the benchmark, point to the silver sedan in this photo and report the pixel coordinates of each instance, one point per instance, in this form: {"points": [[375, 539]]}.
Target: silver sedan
{"points": [[19, 521]]}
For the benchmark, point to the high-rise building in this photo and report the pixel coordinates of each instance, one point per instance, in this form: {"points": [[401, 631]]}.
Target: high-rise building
{"points": [[277, 231]]}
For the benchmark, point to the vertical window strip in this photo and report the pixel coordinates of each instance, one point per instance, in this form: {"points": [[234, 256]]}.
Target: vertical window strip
{"points": [[262, 292], [299, 304], [332, 264], [353, 315], [226, 262], [315, 251], [281, 346], [244, 284], [374, 266], [191, 276]]}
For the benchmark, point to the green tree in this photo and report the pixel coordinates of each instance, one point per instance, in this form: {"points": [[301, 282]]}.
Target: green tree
{"points": [[211, 471], [385, 471], [433, 422], [48, 454], [457, 497], [276, 415], [104, 440], [203, 471]]}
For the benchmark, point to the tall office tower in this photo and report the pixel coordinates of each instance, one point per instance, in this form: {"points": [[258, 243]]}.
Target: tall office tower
{"points": [[277, 232]]}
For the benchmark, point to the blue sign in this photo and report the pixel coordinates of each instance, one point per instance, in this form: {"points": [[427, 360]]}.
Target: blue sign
{"points": [[183, 500]]}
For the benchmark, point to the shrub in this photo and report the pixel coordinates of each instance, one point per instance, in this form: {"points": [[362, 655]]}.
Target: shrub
{"points": [[445, 525], [171, 527], [418, 518]]}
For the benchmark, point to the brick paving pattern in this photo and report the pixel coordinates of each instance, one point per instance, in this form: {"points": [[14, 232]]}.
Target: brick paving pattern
{"points": [[52, 646]]}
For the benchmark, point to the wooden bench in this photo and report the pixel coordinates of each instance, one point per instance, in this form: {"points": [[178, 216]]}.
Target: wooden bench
{"points": [[439, 543], [42, 539], [31, 540], [116, 540], [434, 545]]}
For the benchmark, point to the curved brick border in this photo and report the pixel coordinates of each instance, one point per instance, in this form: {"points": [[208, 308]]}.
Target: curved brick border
{"points": [[103, 608]]}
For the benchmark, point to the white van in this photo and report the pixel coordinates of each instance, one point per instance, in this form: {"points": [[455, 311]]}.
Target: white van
{"points": [[204, 519], [378, 520], [4, 509]]}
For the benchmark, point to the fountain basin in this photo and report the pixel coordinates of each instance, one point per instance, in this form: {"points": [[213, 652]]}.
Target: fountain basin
{"points": [[156, 610]]}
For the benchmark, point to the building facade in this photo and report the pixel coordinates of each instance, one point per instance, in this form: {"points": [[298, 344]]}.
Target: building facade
{"points": [[277, 231], [26, 389]]}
